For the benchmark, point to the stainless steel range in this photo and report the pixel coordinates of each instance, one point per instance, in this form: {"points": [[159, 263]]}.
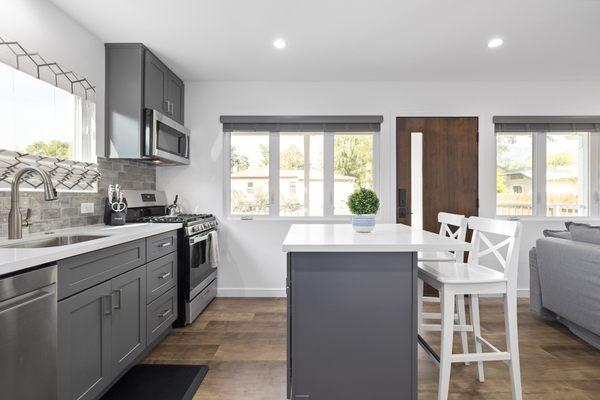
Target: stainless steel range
{"points": [[197, 250]]}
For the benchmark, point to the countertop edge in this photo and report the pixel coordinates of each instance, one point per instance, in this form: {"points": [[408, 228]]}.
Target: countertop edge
{"points": [[381, 248], [54, 254]]}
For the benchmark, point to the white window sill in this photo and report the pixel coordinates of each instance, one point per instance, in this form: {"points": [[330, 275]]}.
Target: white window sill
{"points": [[546, 219]]}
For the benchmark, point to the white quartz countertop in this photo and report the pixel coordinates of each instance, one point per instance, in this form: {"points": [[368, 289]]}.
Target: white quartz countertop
{"points": [[385, 237], [16, 259]]}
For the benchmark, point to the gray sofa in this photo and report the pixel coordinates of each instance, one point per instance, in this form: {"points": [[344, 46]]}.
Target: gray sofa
{"points": [[565, 281]]}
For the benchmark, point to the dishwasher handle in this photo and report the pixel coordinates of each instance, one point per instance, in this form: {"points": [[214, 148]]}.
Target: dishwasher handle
{"points": [[26, 298]]}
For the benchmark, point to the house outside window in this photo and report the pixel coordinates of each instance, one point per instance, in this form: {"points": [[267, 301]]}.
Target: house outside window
{"points": [[547, 169], [298, 172]]}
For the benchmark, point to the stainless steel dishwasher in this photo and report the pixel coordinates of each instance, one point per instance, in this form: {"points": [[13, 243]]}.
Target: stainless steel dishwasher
{"points": [[28, 335]]}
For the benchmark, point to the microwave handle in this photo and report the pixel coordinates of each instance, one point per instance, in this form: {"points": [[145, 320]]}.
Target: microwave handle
{"points": [[187, 146]]}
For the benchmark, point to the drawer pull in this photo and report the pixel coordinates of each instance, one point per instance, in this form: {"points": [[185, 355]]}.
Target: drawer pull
{"points": [[164, 314], [166, 244], [165, 275]]}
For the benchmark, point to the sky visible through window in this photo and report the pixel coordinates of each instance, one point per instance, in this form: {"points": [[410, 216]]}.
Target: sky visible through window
{"points": [[32, 110]]}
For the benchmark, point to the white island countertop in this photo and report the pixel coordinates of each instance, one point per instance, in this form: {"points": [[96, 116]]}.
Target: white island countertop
{"points": [[15, 259], [384, 238]]}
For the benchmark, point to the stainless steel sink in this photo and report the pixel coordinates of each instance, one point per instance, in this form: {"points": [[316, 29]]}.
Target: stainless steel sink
{"points": [[51, 241]]}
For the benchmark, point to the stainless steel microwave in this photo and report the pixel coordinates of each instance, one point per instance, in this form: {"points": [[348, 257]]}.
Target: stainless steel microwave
{"points": [[165, 141]]}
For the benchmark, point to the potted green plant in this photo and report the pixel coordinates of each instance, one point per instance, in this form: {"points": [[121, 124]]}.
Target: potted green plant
{"points": [[364, 204]]}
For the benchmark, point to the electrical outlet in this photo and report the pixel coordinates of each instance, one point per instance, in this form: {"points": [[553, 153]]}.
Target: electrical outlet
{"points": [[87, 208]]}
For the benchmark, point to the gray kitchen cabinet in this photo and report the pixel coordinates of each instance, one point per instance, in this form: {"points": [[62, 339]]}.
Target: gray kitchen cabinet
{"points": [[160, 245], [84, 340], [86, 270], [155, 84], [175, 97], [128, 328], [137, 80], [106, 318], [163, 90]]}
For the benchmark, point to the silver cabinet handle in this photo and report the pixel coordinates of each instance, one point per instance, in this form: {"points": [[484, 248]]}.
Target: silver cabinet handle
{"points": [[164, 314], [107, 309], [119, 292], [165, 275], [167, 244]]}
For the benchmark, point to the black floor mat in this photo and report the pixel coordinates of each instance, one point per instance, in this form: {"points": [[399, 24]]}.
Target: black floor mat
{"points": [[158, 382]]}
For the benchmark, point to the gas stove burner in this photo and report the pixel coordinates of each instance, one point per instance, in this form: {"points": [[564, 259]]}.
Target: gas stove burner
{"points": [[181, 218]]}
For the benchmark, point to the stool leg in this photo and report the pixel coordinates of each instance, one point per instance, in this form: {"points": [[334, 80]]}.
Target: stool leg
{"points": [[420, 306], [447, 300], [462, 320], [512, 344], [476, 334]]}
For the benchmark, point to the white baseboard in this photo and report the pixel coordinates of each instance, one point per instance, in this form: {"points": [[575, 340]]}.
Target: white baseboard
{"points": [[280, 292], [251, 292]]}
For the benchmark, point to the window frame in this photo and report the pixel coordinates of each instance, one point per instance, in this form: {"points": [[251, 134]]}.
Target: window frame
{"points": [[539, 169], [274, 181]]}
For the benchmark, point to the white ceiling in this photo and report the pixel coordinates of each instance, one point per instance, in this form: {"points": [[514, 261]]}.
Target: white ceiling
{"points": [[357, 40]]}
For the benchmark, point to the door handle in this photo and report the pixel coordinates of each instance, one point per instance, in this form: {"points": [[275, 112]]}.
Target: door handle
{"points": [[165, 275], [166, 244]]}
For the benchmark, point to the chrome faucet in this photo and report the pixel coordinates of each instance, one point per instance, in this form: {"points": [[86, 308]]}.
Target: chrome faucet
{"points": [[15, 219]]}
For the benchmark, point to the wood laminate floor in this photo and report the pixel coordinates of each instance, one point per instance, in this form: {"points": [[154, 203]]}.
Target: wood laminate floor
{"points": [[243, 342]]}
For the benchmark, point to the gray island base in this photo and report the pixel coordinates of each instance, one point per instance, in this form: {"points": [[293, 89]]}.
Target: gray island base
{"points": [[352, 326], [352, 310]]}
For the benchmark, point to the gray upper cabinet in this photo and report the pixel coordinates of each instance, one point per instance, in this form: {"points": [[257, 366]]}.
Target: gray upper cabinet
{"points": [[175, 98], [155, 84], [128, 319], [84, 339], [137, 80]]}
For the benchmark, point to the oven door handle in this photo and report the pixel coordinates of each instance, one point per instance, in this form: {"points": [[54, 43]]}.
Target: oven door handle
{"points": [[197, 239]]}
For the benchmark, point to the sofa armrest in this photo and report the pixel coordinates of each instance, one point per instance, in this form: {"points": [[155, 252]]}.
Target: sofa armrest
{"points": [[569, 274]]}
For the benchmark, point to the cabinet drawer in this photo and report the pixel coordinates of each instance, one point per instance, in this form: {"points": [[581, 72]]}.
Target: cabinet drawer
{"points": [[161, 313], [161, 245], [86, 270], [161, 275]]}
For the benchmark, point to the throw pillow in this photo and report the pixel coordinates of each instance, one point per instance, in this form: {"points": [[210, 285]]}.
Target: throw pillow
{"points": [[584, 233]]}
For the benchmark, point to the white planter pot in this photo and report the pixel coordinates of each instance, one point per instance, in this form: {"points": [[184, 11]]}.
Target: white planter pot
{"points": [[363, 223]]}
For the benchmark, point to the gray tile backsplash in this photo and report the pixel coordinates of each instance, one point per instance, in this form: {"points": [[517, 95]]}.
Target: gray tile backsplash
{"points": [[66, 211]]}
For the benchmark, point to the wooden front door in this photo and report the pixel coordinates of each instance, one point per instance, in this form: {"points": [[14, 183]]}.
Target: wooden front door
{"points": [[449, 168]]}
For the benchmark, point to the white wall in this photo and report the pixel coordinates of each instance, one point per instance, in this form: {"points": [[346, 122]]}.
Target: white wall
{"points": [[40, 26], [253, 263]]}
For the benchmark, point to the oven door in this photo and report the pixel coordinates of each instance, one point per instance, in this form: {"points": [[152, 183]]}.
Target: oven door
{"points": [[165, 139], [200, 267]]}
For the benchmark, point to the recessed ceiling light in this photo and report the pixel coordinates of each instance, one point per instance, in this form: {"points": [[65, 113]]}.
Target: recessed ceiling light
{"points": [[495, 42], [279, 44]]}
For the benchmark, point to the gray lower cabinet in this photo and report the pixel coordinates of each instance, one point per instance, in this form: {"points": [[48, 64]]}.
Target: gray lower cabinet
{"points": [[84, 339], [128, 329], [102, 330]]}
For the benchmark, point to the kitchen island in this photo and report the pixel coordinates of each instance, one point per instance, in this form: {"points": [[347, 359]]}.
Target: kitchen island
{"points": [[352, 310]]}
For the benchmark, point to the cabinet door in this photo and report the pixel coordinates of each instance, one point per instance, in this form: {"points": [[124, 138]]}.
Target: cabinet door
{"points": [[175, 97], [155, 84], [128, 318], [84, 343]]}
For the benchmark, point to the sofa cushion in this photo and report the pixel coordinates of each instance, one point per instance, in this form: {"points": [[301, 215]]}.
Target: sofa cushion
{"points": [[584, 232], [557, 234]]}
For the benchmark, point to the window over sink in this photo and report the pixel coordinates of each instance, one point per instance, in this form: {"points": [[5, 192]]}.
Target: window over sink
{"points": [[47, 119]]}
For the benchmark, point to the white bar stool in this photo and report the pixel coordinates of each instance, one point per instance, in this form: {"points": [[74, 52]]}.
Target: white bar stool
{"points": [[473, 279], [454, 226]]}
